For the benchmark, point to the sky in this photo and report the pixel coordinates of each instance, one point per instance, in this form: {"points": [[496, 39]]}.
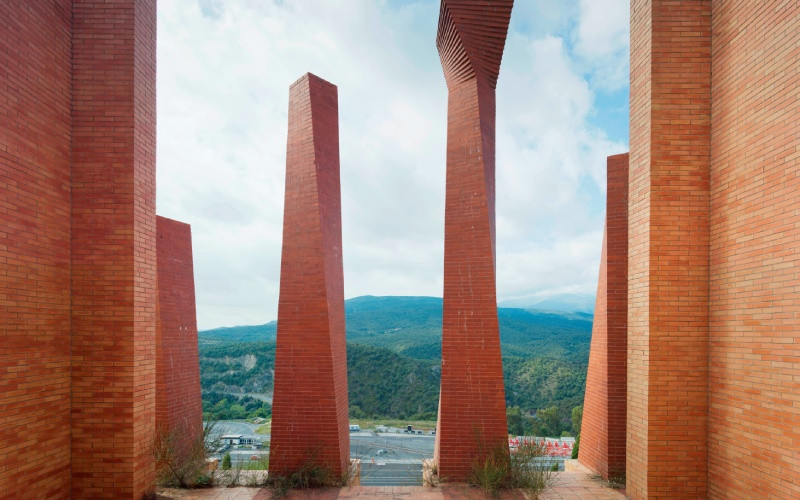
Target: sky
{"points": [[224, 71]]}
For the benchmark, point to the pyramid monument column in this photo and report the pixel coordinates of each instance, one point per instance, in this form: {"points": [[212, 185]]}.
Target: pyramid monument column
{"points": [[472, 407], [179, 403], [602, 445], [310, 404]]}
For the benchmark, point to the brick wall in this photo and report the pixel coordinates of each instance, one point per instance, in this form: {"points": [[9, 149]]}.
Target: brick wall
{"points": [[721, 88], [310, 356], [754, 358], [472, 408], [179, 409], [602, 445], [667, 435], [34, 247], [636, 460], [77, 244], [113, 247]]}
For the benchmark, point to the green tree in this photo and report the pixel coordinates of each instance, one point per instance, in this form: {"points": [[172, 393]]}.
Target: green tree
{"points": [[356, 412], [237, 411], [577, 419], [226, 462], [550, 419], [221, 408], [516, 423]]}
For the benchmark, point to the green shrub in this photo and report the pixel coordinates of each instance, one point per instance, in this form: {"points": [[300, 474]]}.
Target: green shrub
{"points": [[179, 465], [575, 448], [524, 469], [309, 475]]}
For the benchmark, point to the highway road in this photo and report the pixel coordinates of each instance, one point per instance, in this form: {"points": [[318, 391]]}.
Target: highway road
{"points": [[386, 459]]}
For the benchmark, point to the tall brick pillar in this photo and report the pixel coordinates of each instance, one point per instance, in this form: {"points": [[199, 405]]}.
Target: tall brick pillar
{"points": [[35, 129], [310, 355], [668, 262], [113, 247], [179, 408], [472, 406], [754, 345], [602, 446]]}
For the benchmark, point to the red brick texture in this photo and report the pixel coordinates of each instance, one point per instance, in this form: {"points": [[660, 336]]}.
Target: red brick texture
{"points": [[754, 344], [35, 97], [77, 246], [602, 446], [668, 263], [638, 248], [713, 359], [113, 247], [310, 356], [179, 409], [472, 407]]}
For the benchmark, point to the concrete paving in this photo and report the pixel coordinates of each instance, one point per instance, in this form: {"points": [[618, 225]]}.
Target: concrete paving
{"points": [[565, 486]]}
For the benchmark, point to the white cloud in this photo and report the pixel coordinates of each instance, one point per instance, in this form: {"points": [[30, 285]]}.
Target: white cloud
{"points": [[550, 167], [224, 73], [602, 40]]}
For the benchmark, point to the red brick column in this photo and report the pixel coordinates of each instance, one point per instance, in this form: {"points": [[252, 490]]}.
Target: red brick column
{"points": [[602, 446], [669, 249], [754, 344], [310, 404], [113, 247], [472, 407], [35, 66], [179, 409]]}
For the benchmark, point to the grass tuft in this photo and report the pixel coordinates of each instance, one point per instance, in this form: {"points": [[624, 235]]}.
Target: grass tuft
{"points": [[524, 469], [309, 475]]}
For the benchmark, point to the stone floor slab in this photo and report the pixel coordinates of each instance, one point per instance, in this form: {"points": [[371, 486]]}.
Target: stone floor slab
{"points": [[579, 485]]}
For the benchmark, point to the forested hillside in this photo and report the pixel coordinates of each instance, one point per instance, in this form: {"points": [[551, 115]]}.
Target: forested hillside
{"points": [[393, 355], [412, 326]]}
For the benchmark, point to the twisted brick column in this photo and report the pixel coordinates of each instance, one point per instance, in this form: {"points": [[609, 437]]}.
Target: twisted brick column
{"points": [[310, 356], [472, 407]]}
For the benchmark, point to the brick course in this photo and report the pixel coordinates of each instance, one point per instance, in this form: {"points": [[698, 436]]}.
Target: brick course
{"points": [[713, 356], [179, 409], [77, 244], [35, 125], [113, 247], [602, 445], [668, 268], [310, 355], [754, 344], [472, 407]]}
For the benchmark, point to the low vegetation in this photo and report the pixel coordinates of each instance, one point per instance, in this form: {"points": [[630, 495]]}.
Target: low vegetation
{"points": [[219, 406], [179, 463], [525, 469], [309, 475], [372, 423]]}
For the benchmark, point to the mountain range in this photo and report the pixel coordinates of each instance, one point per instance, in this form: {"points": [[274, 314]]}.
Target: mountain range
{"points": [[394, 356], [565, 302]]}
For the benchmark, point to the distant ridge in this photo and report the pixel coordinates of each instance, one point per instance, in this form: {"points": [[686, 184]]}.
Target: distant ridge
{"points": [[394, 355], [565, 302], [412, 326], [253, 333]]}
